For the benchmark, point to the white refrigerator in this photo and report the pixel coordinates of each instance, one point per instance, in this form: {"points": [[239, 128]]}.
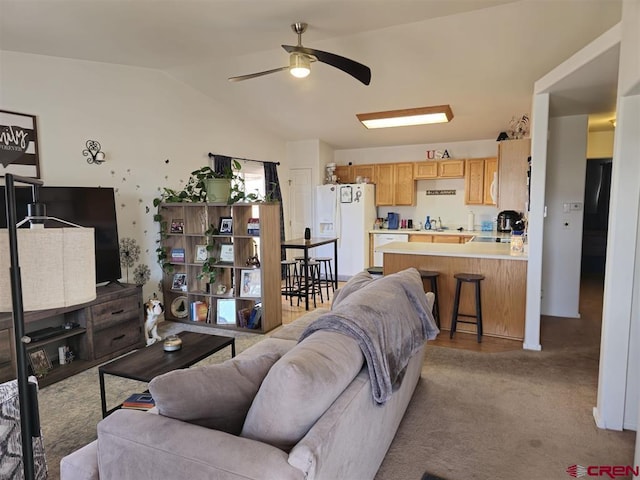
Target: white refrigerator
{"points": [[348, 212]]}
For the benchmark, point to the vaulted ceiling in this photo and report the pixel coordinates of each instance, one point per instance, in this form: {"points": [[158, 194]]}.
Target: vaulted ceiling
{"points": [[482, 57]]}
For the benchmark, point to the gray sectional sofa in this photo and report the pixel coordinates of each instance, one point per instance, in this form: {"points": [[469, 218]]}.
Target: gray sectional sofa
{"points": [[296, 410]]}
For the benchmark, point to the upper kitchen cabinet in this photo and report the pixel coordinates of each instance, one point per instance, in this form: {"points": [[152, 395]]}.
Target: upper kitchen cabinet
{"points": [[512, 174], [395, 184], [451, 168], [364, 171], [344, 173], [479, 181], [474, 182], [490, 181], [431, 169], [425, 170]]}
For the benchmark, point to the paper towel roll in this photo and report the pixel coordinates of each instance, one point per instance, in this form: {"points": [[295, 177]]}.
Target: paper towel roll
{"points": [[470, 221]]}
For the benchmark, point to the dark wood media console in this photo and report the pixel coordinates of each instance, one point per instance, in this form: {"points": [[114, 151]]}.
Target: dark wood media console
{"points": [[103, 329]]}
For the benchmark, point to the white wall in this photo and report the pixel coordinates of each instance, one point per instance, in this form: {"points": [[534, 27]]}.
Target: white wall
{"points": [[450, 208], [600, 144], [566, 169], [154, 131], [618, 381]]}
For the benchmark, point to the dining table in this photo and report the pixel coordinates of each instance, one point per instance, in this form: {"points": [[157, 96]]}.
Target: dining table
{"points": [[305, 245]]}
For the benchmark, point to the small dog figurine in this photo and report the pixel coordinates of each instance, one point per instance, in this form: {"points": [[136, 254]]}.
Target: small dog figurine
{"points": [[153, 310]]}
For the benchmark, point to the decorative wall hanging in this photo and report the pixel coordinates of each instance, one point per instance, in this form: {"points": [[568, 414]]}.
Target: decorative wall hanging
{"points": [[437, 154], [440, 192], [19, 152], [93, 152]]}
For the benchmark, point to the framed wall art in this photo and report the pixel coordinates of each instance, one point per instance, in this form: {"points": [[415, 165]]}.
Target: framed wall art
{"points": [[19, 152]]}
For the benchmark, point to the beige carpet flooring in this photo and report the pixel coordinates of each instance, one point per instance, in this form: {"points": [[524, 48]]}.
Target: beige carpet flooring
{"points": [[475, 415]]}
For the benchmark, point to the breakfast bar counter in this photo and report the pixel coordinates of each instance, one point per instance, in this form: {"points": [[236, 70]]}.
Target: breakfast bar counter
{"points": [[503, 289]]}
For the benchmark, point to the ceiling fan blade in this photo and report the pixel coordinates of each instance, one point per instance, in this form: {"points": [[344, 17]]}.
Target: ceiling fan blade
{"points": [[258, 74], [356, 70]]}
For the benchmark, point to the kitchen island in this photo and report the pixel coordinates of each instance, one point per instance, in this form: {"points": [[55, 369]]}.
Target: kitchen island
{"points": [[503, 289]]}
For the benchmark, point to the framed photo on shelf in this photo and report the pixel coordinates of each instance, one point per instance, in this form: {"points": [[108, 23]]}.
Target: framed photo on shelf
{"points": [[226, 311], [177, 226], [250, 283], [177, 255], [346, 194], [226, 226], [179, 282], [226, 253], [201, 254], [40, 363]]}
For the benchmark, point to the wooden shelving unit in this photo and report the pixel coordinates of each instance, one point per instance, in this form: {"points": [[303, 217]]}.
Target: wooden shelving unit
{"points": [[196, 218], [105, 328]]}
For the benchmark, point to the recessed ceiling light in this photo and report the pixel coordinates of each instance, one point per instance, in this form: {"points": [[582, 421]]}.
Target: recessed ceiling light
{"points": [[406, 117]]}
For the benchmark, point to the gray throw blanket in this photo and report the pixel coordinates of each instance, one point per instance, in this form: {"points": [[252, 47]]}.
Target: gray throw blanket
{"points": [[390, 319]]}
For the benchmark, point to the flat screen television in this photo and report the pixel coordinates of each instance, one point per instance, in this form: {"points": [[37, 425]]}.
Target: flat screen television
{"points": [[86, 206]]}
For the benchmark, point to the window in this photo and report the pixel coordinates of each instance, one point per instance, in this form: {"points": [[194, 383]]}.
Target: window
{"points": [[253, 174]]}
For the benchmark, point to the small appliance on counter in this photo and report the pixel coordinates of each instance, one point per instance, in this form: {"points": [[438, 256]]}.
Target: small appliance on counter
{"points": [[507, 219], [394, 221]]}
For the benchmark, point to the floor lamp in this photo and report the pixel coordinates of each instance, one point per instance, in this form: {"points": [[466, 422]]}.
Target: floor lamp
{"points": [[58, 271]]}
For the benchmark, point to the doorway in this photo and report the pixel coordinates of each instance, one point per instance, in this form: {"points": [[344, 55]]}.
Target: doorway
{"points": [[596, 217], [300, 201]]}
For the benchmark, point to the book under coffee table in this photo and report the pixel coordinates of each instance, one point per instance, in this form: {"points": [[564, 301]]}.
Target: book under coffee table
{"points": [[149, 362]]}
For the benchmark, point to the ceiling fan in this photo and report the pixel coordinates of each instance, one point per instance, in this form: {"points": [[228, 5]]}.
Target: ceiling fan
{"points": [[300, 59]]}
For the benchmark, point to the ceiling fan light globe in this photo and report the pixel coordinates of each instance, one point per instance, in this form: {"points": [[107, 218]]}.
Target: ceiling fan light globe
{"points": [[299, 65]]}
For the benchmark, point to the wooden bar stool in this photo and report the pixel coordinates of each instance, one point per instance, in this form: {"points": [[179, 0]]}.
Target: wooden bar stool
{"points": [[460, 279], [433, 278]]}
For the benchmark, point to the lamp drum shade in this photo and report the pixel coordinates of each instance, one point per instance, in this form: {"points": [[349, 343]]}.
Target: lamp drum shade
{"points": [[57, 267]]}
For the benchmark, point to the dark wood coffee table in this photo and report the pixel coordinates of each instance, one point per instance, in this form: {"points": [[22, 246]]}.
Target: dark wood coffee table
{"points": [[149, 362]]}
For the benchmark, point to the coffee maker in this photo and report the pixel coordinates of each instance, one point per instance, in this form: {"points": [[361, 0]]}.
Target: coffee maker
{"points": [[507, 219]]}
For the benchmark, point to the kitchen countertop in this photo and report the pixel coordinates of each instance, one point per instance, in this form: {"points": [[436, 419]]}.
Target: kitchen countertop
{"points": [[466, 233], [492, 250]]}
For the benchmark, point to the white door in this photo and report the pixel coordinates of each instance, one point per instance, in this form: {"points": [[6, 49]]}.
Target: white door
{"points": [[300, 201]]}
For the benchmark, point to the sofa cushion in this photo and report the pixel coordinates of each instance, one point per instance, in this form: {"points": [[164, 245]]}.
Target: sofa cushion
{"points": [[300, 387], [293, 330], [214, 396], [354, 284]]}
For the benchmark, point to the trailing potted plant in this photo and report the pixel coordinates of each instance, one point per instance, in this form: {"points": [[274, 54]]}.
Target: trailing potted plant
{"points": [[209, 270]]}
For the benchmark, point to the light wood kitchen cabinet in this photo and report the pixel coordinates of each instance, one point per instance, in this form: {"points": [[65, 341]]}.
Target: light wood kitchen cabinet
{"points": [[425, 170], [395, 184], [421, 238], [344, 173], [447, 239], [364, 171], [430, 169], [451, 168], [439, 238], [474, 182], [478, 181], [490, 181], [512, 174]]}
